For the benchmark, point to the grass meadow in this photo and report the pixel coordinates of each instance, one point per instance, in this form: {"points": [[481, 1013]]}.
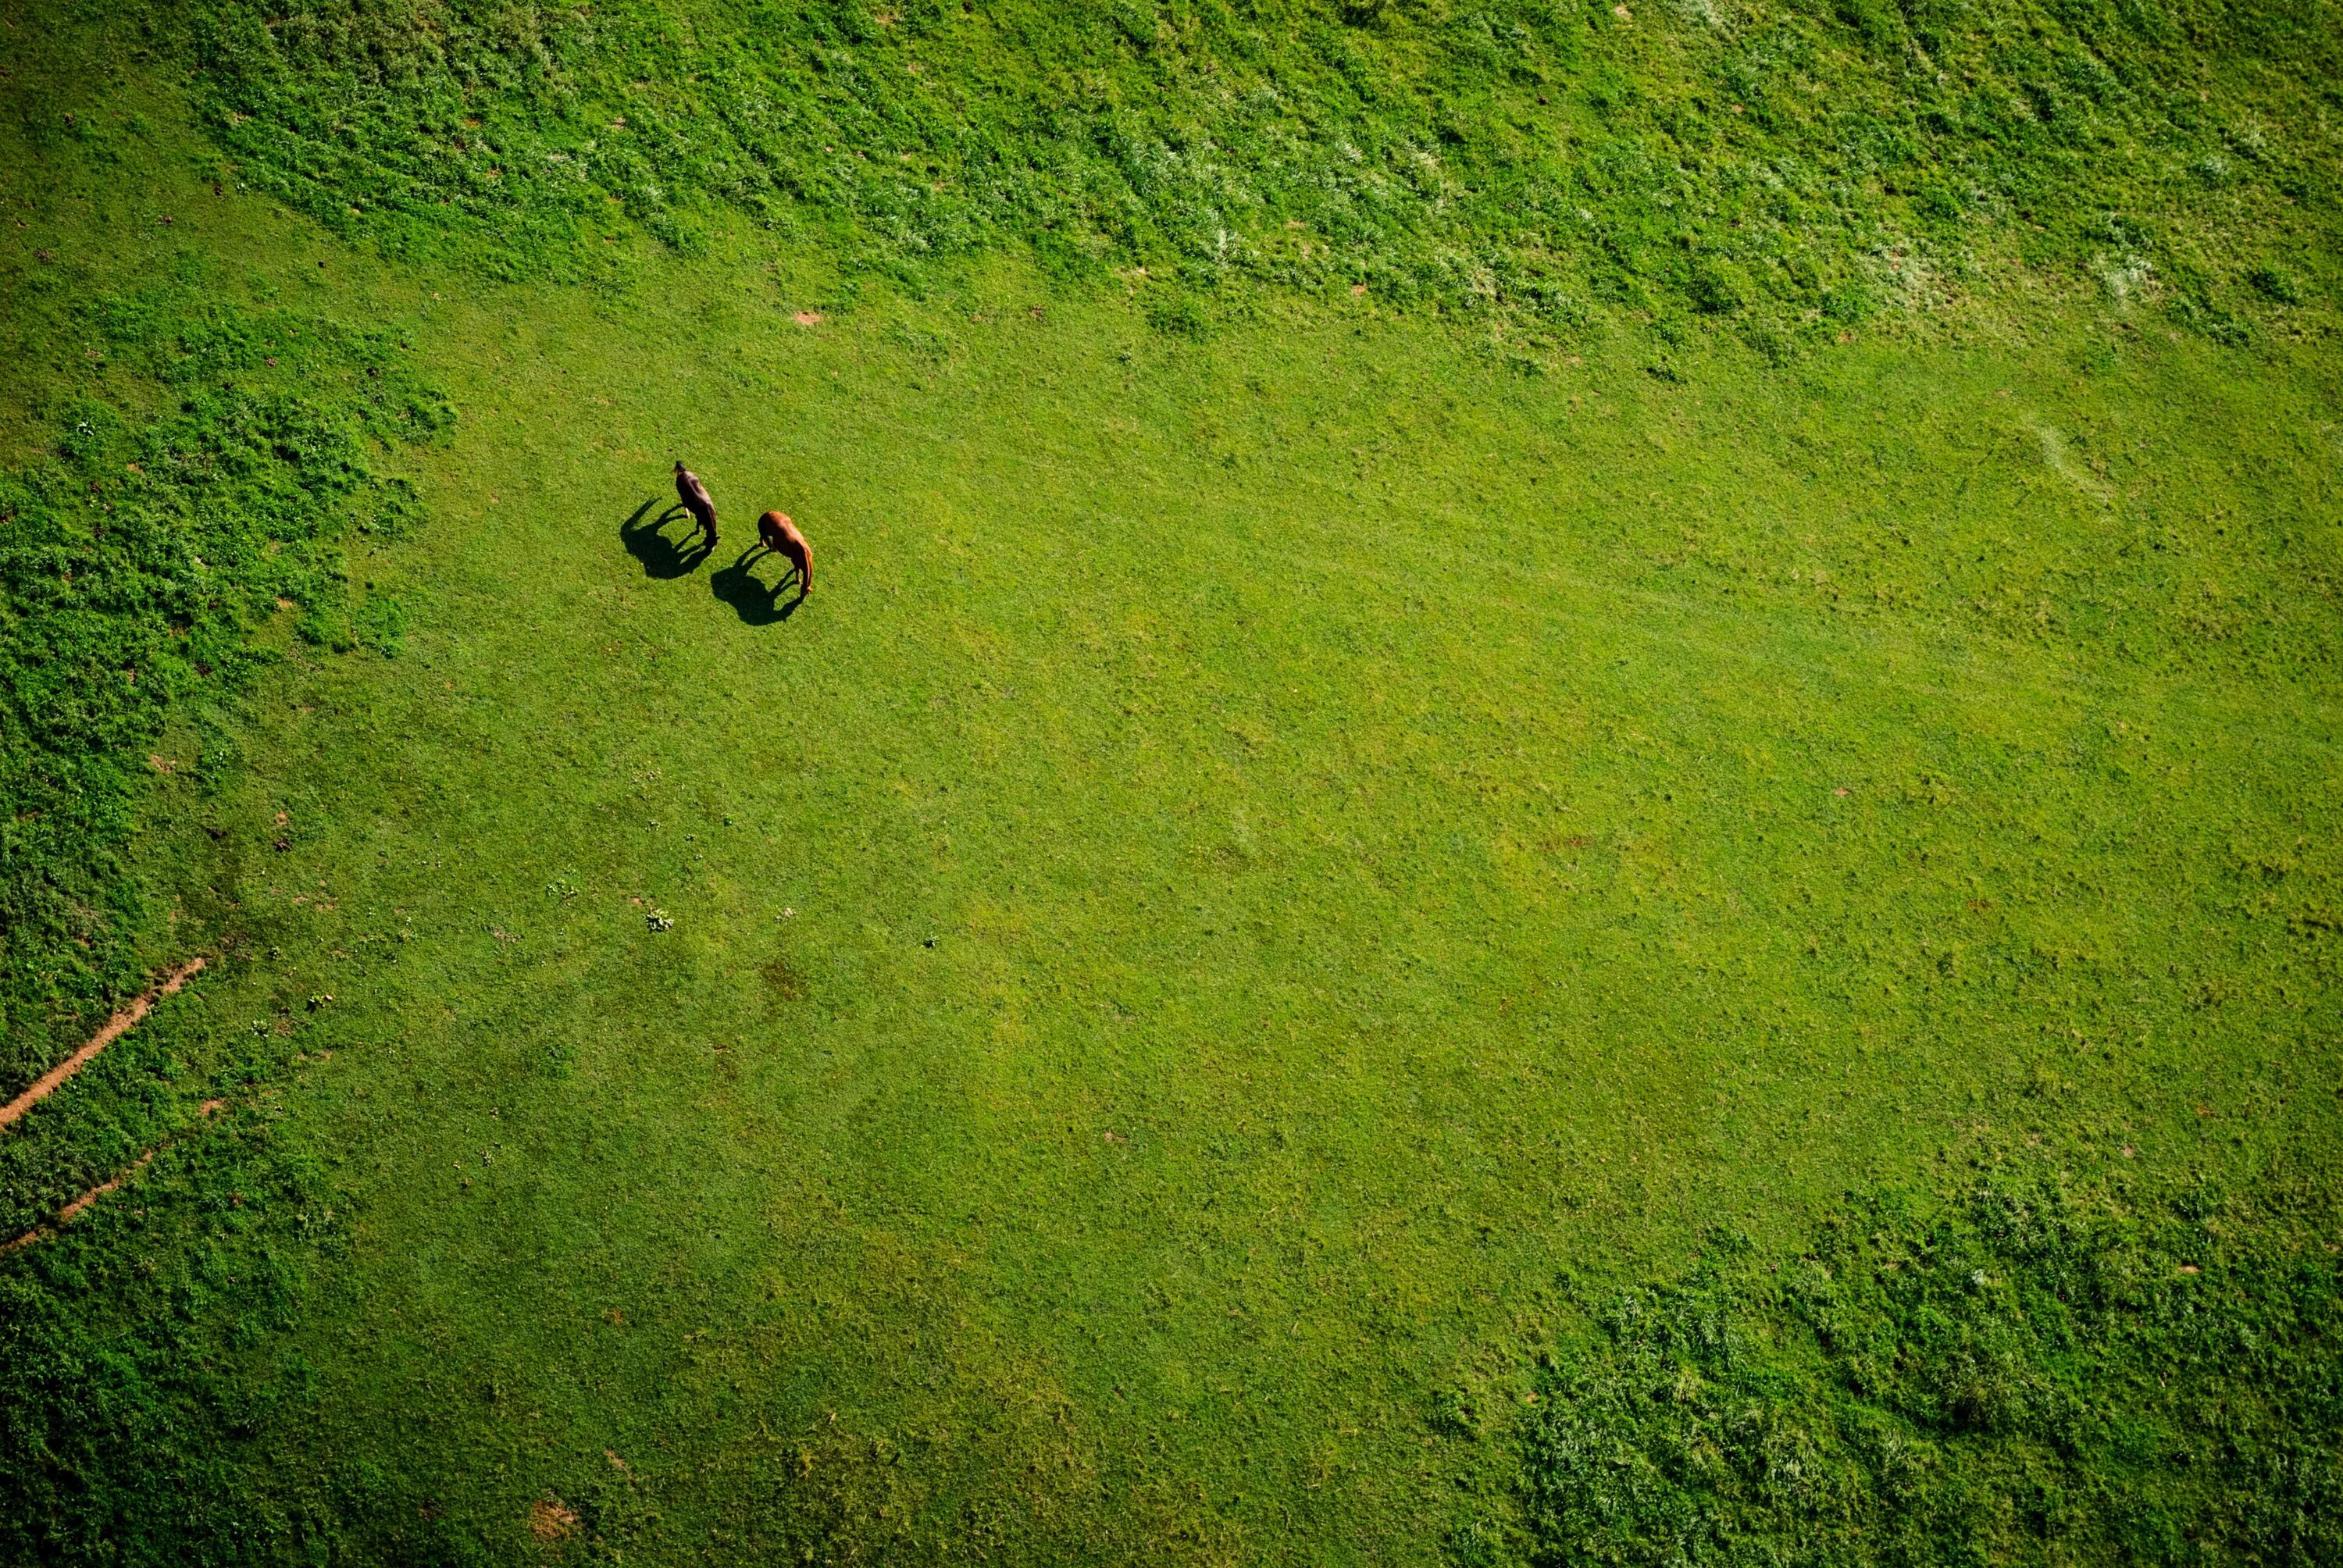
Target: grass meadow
{"points": [[1299, 876]]}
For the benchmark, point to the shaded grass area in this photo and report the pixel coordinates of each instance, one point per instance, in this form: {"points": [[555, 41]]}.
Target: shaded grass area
{"points": [[2035, 1370], [1794, 169], [1263, 855]]}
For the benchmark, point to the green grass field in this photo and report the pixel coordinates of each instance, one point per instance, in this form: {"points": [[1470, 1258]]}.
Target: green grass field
{"points": [[1316, 864]]}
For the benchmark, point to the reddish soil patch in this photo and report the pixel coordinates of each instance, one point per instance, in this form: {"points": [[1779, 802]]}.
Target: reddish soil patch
{"points": [[549, 1521]]}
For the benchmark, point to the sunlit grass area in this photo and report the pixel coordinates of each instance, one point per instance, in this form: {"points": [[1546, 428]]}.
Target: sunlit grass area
{"points": [[1345, 932]]}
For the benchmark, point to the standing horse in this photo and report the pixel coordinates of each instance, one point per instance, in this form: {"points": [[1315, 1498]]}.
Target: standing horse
{"points": [[781, 536], [697, 501]]}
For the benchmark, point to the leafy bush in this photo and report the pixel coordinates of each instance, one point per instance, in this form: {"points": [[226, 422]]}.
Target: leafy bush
{"points": [[134, 564], [2275, 283], [1512, 160], [2025, 1374]]}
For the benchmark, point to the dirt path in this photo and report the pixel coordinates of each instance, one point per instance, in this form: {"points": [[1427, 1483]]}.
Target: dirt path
{"points": [[116, 1027], [65, 1216]]}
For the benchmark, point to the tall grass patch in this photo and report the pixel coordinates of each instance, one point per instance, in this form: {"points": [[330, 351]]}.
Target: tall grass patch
{"points": [[1786, 170]]}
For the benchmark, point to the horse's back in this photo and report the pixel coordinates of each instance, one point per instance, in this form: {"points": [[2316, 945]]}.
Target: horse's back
{"points": [[781, 536]]}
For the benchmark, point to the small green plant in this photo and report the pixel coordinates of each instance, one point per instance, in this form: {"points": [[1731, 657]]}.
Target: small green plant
{"points": [[1178, 314], [2276, 284], [1718, 286], [380, 623]]}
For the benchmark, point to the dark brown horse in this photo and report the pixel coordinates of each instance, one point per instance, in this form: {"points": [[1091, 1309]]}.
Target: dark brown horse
{"points": [[781, 536], [696, 500]]}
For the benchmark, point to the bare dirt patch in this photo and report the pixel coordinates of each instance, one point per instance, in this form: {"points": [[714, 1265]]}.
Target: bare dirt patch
{"points": [[550, 1520]]}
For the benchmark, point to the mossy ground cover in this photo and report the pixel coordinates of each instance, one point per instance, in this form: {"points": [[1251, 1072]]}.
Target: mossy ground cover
{"points": [[1283, 876]]}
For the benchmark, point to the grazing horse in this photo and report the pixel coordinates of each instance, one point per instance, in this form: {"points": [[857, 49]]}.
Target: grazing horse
{"points": [[696, 500], [781, 536]]}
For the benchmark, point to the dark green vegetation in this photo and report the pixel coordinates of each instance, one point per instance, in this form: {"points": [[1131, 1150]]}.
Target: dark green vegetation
{"points": [[140, 1356], [1797, 166], [135, 564], [1216, 994], [2030, 1371]]}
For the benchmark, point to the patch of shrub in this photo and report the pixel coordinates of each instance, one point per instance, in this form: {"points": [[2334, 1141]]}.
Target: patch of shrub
{"points": [[1717, 287], [2027, 1372], [1178, 315], [2276, 284], [380, 623]]}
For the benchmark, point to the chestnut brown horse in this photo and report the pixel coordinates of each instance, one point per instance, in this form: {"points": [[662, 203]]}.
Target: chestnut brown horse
{"points": [[696, 500], [781, 536]]}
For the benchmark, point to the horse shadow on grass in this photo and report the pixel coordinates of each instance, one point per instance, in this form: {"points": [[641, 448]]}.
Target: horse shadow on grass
{"points": [[751, 600], [647, 540]]}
